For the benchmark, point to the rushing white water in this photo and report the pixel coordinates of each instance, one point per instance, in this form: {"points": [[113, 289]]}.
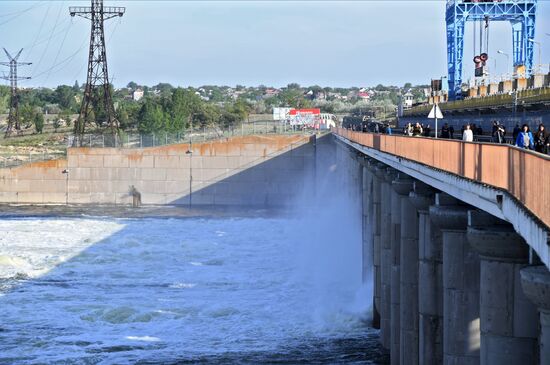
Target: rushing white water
{"points": [[166, 290]]}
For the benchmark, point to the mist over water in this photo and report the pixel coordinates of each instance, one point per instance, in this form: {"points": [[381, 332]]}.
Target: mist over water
{"points": [[244, 289]]}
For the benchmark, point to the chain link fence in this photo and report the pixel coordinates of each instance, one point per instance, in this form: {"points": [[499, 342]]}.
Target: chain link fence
{"points": [[16, 156], [137, 140]]}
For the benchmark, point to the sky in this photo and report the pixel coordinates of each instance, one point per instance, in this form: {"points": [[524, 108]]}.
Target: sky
{"points": [[194, 43]]}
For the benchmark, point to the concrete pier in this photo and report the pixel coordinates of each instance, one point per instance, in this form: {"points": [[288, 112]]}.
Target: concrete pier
{"points": [[367, 223], [386, 257], [535, 281], [461, 335], [408, 274], [508, 320], [395, 238], [377, 226], [430, 284]]}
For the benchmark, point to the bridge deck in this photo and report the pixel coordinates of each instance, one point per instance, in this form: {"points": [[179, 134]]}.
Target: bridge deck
{"points": [[524, 174]]}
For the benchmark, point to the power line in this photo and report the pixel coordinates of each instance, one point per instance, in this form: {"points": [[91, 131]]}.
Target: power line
{"points": [[21, 12], [50, 38], [57, 55], [62, 62], [41, 27]]}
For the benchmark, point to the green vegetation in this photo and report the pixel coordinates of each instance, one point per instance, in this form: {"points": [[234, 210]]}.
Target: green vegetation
{"points": [[166, 109]]}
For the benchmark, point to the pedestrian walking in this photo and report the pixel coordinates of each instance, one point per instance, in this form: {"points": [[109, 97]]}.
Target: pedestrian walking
{"points": [[498, 132], [417, 130], [525, 138], [542, 140], [516, 132], [467, 135], [445, 132]]}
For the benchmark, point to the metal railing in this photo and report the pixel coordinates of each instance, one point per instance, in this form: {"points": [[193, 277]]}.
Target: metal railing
{"points": [[523, 174], [17, 158], [137, 140], [23, 155]]}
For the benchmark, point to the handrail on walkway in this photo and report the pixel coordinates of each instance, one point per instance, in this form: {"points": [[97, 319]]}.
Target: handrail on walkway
{"points": [[524, 174]]}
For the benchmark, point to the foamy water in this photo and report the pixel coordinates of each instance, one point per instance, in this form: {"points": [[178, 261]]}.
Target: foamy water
{"points": [[246, 290]]}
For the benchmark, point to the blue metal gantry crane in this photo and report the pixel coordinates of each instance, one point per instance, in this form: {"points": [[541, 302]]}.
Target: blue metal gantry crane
{"points": [[520, 13]]}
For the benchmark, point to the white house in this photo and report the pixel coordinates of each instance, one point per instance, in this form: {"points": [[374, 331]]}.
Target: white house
{"points": [[137, 95]]}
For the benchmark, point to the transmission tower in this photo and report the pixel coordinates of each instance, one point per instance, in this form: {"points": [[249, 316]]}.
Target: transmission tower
{"points": [[13, 118], [520, 14], [97, 83]]}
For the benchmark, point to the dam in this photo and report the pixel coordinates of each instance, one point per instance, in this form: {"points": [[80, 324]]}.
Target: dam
{"points": [[356, 246]]}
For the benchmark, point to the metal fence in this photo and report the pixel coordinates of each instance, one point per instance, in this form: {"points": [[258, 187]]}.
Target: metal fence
{"points": [[16, 156], [138, 140]]}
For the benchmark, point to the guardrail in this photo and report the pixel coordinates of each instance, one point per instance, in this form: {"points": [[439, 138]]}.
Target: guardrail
{"points": [[519, 98], [137, 140], [523, 174], [29, 154]]}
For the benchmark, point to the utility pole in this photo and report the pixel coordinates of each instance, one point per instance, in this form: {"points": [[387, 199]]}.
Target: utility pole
{"points": [[13, 119], [98, 76]]}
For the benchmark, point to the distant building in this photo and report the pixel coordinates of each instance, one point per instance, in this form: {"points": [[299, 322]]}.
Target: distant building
{"points": [[408, 100], [137, 95], [364, 95], [269, 93]]}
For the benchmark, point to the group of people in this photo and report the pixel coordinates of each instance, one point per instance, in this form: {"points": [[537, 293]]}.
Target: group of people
{"points": [[417, 130], [539, 141], [521, 137]]}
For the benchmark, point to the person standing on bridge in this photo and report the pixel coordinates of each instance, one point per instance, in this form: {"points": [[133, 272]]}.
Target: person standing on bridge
{"points": [[542, 140], [467, 135], [498, 132], [445, 133], [525, 138], [417, 130], [516, 132]]}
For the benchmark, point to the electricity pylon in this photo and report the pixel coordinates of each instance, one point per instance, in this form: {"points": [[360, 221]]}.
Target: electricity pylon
{"points": [[13, 118], [98, 76]]}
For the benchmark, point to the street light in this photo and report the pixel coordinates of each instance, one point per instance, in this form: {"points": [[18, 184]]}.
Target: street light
{"points": [[539, 45], [507, 59]]}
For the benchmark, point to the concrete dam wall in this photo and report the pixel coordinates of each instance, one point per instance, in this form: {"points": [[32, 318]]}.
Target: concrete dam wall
{"points": [[252, 170]]}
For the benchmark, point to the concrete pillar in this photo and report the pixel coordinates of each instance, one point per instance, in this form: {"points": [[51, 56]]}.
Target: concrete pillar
{"points": [[535, 281], [408, 275], [385, 257], [368, 222], [461, 336], [377, 225], [430, 285], [395, 239], [508, 320]]}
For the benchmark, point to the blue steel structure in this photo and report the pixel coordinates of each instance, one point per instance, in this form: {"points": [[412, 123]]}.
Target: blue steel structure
{"points": [[520, 13]]}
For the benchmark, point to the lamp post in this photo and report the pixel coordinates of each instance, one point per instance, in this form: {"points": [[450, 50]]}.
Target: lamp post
{"points": [[507, 59], [539, 45]]}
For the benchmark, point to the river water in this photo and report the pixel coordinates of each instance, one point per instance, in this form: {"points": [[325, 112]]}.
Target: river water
{"points": [[253, 288]]}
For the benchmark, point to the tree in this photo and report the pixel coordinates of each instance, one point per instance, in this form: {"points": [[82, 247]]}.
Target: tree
{"points": [[38, 122], [183, 104], [132, 85], [64, 96], [123, 118], [26, 114], [151, 117]]}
